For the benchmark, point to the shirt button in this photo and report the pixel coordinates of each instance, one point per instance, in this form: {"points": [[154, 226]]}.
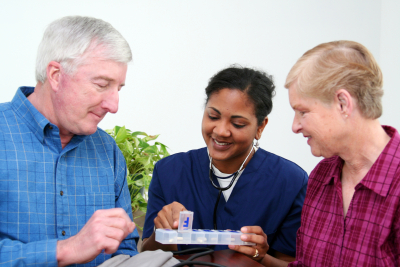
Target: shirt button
{"points": [[63, 232], [51, 127], [61, 193]]}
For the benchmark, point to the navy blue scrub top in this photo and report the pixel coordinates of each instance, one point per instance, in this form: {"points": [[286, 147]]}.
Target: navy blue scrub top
{"points": [[269, 193]]}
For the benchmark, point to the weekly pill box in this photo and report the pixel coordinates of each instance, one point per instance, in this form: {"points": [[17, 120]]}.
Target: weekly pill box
{"points": [[200, 237]]}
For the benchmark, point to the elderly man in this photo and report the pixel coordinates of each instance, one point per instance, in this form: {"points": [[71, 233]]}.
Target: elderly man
{"points": [[63, 189]]}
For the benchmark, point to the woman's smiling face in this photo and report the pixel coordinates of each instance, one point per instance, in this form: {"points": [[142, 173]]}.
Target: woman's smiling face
{"points": [[229, 127]]}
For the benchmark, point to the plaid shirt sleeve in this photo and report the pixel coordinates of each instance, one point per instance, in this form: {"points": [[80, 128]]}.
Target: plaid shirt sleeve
{"points": [[16, 253]]}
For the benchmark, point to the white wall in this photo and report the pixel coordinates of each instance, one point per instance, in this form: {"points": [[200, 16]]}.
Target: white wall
{"points": [[179, 45], [390, 61]]}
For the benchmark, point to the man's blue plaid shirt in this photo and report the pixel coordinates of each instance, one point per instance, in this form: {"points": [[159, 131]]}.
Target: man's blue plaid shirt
{"points": [[48, 193]]}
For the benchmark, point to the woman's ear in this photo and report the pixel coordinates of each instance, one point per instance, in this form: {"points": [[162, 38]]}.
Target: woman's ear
{"points": [[260, 128], [344, 102], [53, 71]]}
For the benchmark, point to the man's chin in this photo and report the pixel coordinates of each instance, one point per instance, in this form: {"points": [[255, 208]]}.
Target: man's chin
{"points": [[87, 131]]}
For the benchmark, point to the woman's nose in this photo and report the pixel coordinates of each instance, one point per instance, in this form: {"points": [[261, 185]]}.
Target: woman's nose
{"points": [[296, 126], [222, 129]]}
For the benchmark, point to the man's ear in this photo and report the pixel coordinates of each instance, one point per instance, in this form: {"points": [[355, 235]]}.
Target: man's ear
{"points": [[344, 102], [260, 128], [53, 71]]}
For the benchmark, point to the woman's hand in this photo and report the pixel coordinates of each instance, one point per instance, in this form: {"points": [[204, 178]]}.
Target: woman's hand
{"points": [[168, 217], [261, 247]]}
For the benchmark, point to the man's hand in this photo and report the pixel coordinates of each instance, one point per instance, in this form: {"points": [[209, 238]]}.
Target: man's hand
{"points": [[168, 217], [105, 230]]}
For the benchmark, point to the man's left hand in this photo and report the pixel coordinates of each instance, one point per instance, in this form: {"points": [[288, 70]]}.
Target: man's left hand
{"points": [[104, 231]]}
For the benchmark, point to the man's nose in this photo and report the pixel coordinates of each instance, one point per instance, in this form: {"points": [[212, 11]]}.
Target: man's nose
{"points": [[110, 103]]}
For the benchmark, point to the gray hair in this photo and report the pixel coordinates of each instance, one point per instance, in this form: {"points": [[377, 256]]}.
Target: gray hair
{"points": [[69, 39]]}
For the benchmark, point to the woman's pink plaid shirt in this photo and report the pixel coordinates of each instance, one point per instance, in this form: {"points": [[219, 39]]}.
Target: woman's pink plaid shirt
{"points": [[370, 233]]}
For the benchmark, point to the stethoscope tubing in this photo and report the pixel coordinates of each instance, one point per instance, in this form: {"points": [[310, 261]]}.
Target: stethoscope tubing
{"points": [[210, 173]]}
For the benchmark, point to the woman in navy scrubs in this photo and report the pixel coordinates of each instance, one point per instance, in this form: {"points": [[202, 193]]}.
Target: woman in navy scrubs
{"points": [[267, 193]]}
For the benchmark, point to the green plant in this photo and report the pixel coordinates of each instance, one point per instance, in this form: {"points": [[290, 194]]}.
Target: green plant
{"points": [[140, 157]]}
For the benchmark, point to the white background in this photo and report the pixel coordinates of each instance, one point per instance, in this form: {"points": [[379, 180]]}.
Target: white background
{"points": [[178, 45]]}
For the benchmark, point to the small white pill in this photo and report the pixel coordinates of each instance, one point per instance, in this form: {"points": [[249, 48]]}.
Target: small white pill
{"points": [[201, 239]]}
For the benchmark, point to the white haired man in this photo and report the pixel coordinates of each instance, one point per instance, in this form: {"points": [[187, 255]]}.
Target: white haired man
{"points": [[63, 189]]}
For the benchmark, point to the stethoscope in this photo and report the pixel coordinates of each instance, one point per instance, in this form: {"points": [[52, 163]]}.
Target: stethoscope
{"points": [[235, 175]]}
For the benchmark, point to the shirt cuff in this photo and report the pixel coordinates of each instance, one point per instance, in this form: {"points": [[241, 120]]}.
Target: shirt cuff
{"points": [[42, 253]]}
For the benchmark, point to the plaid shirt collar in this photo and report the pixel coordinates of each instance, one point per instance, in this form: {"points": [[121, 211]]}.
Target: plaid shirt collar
{"points": [[35, 120], [31, 116], [379, 184]]}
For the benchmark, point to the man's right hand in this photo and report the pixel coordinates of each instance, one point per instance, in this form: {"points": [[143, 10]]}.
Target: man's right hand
{"points": [[105, 230], [168, 217]]}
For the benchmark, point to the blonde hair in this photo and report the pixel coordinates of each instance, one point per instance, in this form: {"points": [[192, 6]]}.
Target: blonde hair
{"points": [[328, 67]]}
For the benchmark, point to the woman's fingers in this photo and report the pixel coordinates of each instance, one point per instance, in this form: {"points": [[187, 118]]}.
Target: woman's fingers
{"points": [[256, 235], [168, 217]]}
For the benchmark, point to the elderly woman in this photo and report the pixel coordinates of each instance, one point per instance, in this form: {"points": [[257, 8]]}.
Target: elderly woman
{"points": [[251, 189], [351, 212]]}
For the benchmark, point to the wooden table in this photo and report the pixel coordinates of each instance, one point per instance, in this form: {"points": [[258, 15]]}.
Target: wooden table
{"points": [[225, 257]]}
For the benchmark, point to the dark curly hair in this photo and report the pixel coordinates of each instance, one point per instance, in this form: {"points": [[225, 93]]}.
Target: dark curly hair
{"points": [[258, 86]]}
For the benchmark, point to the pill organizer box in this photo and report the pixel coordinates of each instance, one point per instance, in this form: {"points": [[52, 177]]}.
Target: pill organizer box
{"points": [[200, 237]]}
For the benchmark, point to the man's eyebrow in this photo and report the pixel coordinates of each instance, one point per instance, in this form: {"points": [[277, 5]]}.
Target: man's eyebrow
{"points": [[107, 79], [103, 78]]}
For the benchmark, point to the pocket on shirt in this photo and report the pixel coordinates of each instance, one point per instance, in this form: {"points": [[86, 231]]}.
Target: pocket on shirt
{"points": [[98, 201]]}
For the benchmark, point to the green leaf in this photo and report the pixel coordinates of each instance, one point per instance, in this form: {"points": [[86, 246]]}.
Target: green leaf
{"points": [[143, 144], [116, 129], [143, 207], [129, 147], [151, 149], [139, 183], [121, 135], [163, 149], [136, 142], [150, 137], [138, 133]]}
